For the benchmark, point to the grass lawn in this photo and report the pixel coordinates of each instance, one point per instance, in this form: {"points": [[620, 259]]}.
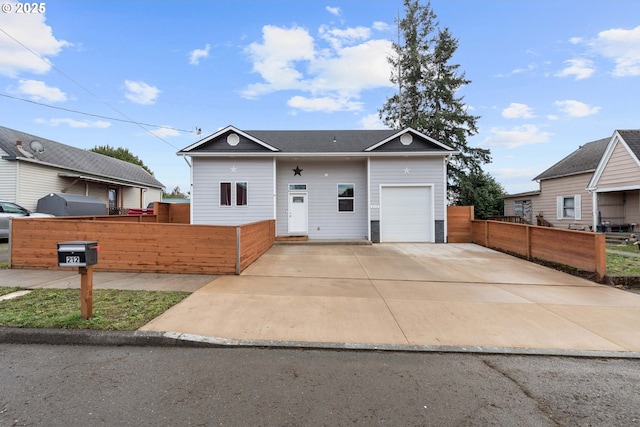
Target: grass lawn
{"points": [[116, 310], [621, 265]]}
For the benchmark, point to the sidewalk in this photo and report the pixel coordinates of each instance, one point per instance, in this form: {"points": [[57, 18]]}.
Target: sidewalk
{"points": [[406, 297]]}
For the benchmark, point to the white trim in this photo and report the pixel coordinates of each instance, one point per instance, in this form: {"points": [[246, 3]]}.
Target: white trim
{"points": [[220, 205], [213, 136], [338, 184], [321, 154], [612, 189], [245, 206], [613, 143], [415, 132]]}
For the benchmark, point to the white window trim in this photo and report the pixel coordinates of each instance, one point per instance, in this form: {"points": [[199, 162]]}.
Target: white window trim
{"points": [[220, 194], [577, 207], [236, 195], [338, 198]]}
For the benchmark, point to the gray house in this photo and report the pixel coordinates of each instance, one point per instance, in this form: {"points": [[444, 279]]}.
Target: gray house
{"points": [[377, 185], [32, 167]]}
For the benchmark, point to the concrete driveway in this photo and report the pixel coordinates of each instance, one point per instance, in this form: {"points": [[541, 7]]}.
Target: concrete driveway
{"points": [[406, 296]]}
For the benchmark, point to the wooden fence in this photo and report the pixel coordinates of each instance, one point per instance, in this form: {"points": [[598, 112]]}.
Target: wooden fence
{"points": [[579, 249], [142, 246], [459, 224]]}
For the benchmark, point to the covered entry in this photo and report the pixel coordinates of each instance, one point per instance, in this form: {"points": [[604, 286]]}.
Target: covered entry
{"points": [[406, 213]]}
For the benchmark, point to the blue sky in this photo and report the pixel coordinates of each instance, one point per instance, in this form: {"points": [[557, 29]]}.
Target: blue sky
{"points": [[547, 76]]}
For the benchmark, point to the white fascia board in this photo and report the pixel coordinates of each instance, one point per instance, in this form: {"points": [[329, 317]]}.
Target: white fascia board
{"points": [[407, 130], [614, 189], [185, 151], [347, 154], [593, 182]]}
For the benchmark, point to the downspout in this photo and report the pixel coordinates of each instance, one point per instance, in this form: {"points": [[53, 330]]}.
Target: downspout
{"points": [[191, 188]]}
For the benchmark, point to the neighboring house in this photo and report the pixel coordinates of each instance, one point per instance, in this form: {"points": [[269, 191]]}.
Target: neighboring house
{"points": [[378, 185], [32, 167], [597, 187]]}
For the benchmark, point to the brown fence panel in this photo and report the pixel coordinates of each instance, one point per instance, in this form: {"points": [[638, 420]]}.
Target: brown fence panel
{"points": [[255, 240], [579, 249], [459, 224], [127, 246]]}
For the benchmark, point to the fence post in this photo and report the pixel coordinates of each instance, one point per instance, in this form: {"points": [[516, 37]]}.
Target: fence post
{"points": [[600, 256], [529, 228], [238, 234]]}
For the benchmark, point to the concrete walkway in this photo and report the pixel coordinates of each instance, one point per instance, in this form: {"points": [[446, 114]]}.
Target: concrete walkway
{"points": [[407, 296]]}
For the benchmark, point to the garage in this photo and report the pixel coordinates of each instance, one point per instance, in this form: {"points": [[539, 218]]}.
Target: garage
{"points": [[406, 213]]}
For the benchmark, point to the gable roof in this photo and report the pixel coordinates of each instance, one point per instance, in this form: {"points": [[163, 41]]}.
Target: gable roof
{"points": [[316, 142], [584, 160], [73, 159], [630, 139]]}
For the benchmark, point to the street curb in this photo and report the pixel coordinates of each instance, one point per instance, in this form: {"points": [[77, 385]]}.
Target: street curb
{"points": [[176, 339]]}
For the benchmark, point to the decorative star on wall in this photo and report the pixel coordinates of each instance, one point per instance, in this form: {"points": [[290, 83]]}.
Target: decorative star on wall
{"points": [[234, 169], [297, 171], [407, 170]]}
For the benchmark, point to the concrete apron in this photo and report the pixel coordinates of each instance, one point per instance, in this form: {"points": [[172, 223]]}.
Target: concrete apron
{"points": [[408, 296]]}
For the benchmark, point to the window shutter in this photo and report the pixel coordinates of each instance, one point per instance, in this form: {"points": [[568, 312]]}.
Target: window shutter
{"points": [[559, 207], [578, 206]]}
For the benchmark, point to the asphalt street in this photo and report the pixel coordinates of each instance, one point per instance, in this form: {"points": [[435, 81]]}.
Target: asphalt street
{"points": [[143, 386]]}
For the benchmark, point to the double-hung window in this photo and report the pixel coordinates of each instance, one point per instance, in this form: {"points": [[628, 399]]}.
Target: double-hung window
{"points": [[225, 194], [346, 197], [569, 207], [241, 193]]}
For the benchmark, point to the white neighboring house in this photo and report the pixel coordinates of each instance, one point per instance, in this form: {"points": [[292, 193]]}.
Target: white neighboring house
{"points": [[32, 167], [377, 185]]}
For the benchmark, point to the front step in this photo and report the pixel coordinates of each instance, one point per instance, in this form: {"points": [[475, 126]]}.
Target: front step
{"points": [[613, 238]]}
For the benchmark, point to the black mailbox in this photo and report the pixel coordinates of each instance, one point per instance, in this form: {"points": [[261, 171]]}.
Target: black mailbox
{"points": [[80, 253]]}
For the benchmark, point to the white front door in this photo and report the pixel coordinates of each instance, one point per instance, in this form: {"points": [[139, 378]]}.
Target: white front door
{"points": [[298, 214]]}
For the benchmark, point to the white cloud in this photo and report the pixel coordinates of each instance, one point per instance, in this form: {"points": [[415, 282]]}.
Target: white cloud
{"points": [[326, 104], [338, 38], [39, 91], [580, 68], [333, 10], [381, 26], [32, 31], [514, 172], [576, 108], [275, 58], [515, 137], [623, 47], [372, 121], [165, 132], [197, 54], [141, 92], [100, 124], [517, 111], [334, 74]]}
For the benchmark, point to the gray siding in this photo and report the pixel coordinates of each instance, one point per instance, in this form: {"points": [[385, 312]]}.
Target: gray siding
{"points": [[421, 171], [205, 198], [322, 179]]}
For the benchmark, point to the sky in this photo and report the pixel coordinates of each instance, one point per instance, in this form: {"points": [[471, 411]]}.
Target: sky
{"points": [[546, 75]]}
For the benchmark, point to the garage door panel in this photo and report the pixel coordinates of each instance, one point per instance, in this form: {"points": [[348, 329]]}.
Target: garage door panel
{"points": [[405, 214]]}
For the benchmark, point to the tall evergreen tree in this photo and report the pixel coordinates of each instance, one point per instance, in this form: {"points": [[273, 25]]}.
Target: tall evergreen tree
{"points": [[483, 192], [427, 99], [120, 153]]}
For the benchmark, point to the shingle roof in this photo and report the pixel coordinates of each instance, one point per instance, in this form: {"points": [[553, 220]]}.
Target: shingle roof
{"points": [[313, 142], [585, 159], [321, 141], [632, 138], [75, 159]]}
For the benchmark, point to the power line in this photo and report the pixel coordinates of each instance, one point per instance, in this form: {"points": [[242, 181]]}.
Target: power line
{"points": [[129, 119], [95, 115]]}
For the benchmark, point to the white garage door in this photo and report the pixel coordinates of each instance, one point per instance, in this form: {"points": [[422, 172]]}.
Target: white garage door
{"points": [[406, 214]]}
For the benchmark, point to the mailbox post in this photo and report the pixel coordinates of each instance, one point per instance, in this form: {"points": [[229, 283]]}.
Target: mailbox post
{"points": [[84, 255]]}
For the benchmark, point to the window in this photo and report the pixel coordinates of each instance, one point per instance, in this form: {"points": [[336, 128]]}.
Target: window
{"points": [[225, 194], [241, 194], [569, 207], [522, 208], [346, 196]]}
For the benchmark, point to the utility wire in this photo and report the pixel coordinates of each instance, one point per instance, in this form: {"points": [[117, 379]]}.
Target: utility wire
{"points": [[94, 115], [129, 119]]}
